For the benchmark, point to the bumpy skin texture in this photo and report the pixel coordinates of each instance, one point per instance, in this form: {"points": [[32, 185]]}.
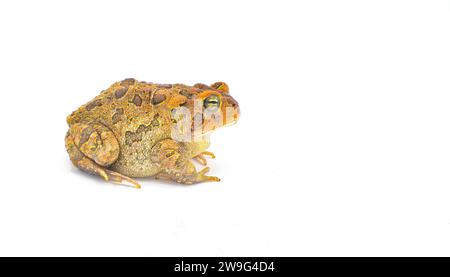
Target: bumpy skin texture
{"points": [[126, 131]]}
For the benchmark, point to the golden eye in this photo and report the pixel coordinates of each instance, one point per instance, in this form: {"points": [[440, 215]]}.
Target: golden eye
{"points": [[212, 102]]}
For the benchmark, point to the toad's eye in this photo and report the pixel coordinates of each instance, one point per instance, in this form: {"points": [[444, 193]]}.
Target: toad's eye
{"points": [[212, 102]]}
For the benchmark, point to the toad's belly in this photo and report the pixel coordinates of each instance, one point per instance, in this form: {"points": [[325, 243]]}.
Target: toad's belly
{"points": [[135, 160]]}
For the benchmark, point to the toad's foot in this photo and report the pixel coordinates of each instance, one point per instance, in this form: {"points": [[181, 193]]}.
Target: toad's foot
{"points": [[202, 177], [201, 159], [121, 179], [196, 177]]}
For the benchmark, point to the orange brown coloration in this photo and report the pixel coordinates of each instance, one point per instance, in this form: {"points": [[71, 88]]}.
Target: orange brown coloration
{"points": [[126, 131]]}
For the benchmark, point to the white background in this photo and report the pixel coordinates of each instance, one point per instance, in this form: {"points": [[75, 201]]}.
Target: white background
{"points": [[343, 147]]}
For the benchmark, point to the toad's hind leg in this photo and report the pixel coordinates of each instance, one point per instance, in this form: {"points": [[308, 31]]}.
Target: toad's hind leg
{"points": [[92, 148]]}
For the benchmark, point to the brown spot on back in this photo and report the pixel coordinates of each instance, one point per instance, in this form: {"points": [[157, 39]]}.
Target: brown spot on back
{"points": [[128, 82], [202, 86], [165, 85], [137, 100], [131, 137], [91, 105], [117, 115], [187, 93], [158, 98], [120, 92]]}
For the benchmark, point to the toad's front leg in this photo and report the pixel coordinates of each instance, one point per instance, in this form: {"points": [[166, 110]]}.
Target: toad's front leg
{"points": [[201, 157], [175, 161]]}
